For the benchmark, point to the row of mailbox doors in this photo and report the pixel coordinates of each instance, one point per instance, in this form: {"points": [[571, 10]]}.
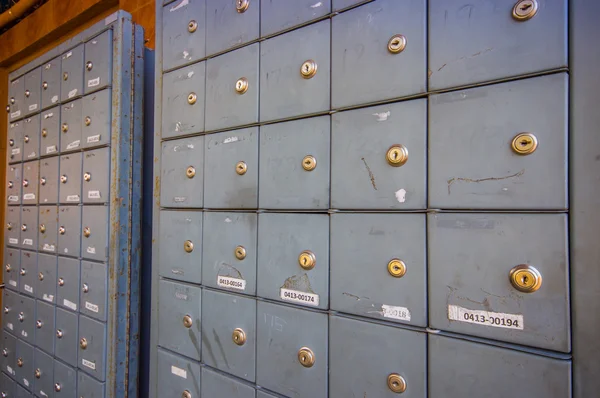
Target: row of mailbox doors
{"points": [[80, 124], [302, 353]]}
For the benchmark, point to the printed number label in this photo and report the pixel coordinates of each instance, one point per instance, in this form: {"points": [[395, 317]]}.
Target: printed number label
{"points": [[74, 144], [73, 198], [93, 138], [485, 318], [178, 372], [29, 196], [48, 248], [12, 283], [70, 304], [51, 149], [94, 195], [13, 241], [299, 297], [94, 82], [401, 313], [16, 151], [28, 288], [232, 283], [89, 364], [13, 198], [91, 307]]}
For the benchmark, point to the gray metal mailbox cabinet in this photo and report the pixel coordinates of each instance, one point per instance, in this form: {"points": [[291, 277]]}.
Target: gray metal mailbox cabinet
{"points": [[73, 236]]}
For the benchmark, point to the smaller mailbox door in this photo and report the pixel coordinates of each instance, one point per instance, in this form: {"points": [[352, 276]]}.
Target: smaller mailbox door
{"points": [[70, 178], [16, 99], [96, 113], [31, 137], [31, 172], [218, 385], [24, 372], [28, 273], [65, 380], [12, 266], [184, 33], [13, 226], [45, 326], [276, 16], [68, 283], [96, 176], [48, 229], [33, 96], [98, 62], [8, 360], [29, 227], [69, 230], [94, 293], [50, 131], [94, 232], [14, 184], [182, 178], [49, 180], [66, 336], [24, 326], [176, 375], [72, 74], [231, 24], [51, 81], [15, 141], [92, 347], [46, 278], [88, 387], [43, 380], [71, 125]]}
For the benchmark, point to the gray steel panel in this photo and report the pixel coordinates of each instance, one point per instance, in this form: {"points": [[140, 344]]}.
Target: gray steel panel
{"points": [[98, 56], [486, 173], [31, 138], [177, 375], [68, 281], [24, 372], [66, 341], [282, 237], [470, 258], [95, 222], [460, 368], [281, 332], [87, 387], [8, 361], [361, 177], [22, 392], [92, 358], [45, 326], [71, 176], [276, 16], [96, 109], [179, 45], [362, 245], [223, 186], [31, 172], [69, 230], [48, 229], [25, 319], [51, 78], [364, 354], [12, 266], [222, 314], [481, 41], [183, 101], [96, 176], [176, 302], [221, 267], [263, 394], [363, 69], [176, 188], [226, 107], [216, 385], [43, 386], [15, 141], [341, 4], [227, 27], [49, 180], [16, 98], [178, 259], [14, 184], [50, 131], [33, 97], [46, 284], [10, 311], [72, 67], [283, 182], [28, 273], [71, 125], [13, 226], [7, 386], [65, 380], [283, 91], [94, 290], [29, 227]]}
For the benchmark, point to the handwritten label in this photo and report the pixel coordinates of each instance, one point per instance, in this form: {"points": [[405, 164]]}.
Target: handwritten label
{"points": [[13, 198], [28, 288], [72, 93], [91, 307], [48, 248], [299, 297], [94, 195], [73, 144], [31, 155], [54, 99], [51, 149], [93, 138], [392, 312], [12, 283], [28, 242], [70, 304], [48, 297], [94, 82], [91, 250], [29, 196], [33, 107], [13, 241], [231, 283], [485, 318], [88, 364], [15, 114], [73, 198], [178, 372], [15, 151]]}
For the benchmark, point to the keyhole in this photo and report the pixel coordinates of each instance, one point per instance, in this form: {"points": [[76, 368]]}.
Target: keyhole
{"points": [[525, 7], [396, 268], [395, 383], [304, 260], [524, 280], [307, 162], [395, 155], [306, 67], [303, 358], [524, 142]]}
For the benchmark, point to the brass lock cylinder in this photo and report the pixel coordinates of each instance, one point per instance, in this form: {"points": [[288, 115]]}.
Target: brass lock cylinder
{"points": [[88, 120], [26, 139], [241, 86], [240, 252], [87, 232], [524, 10], [89, 65], [27, 93], [62, 230], [241, 168], [396, 383], [190, 172], [307, 260], [83, 343], [87, 177], [42, 228], [25, 183], [192, 98], [44, 133], [186, 394], [239, 337], [525, 278], [45, 85], [192, 26], [39, 324], [43, 181], [37, 373], [64, 127], [40, 276], [306, 357], [188, 246], [20, 362], [309, 163], [187, 321], [242, 5], [397, 155], [396, 44], [308, 69], [396, 268], [524, 143]]}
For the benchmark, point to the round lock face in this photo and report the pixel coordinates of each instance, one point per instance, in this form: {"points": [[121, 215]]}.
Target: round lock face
{"points": [[10, 184], [88, 120], [62, 230], [186, 394], [397, 44], [42, 228], [7, 108], [192, 26], [188, 246], [61, 282], [65, 76], [38, 324], [57, 387], [187, 321], [192, 98], [85, 288], [525, 10], [21, 317], [41, 276], [87, 232], [241, 86], [24, 227], [9, 226], [240, 252], [239, 336], [37, 374], [524, 144], [11, 142], [87, 177], [23, 272], [26, 139], [83, 343], [242, 5], [396, 268], [309, 163], [63, 179], [308, 69], [525, 278], [306, 357], [190, 172], [43, 181], [4, 353], [307, 260], [397, 155], [25, 183], [27, 93], [8, 267], [44, 133], [45, 85], [241, 168], [64, 127], [12, 100], [20, 362], [396, 383], [89, 66], [59, 334]]}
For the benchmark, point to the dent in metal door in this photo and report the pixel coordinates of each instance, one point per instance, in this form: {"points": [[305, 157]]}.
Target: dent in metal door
{"points": [[70, 178], [92, 347], [483, 41], [31, 138], [285, 336], [69, 230], [14, 184], [229, 255], [72, 74], [294, 164], [15, 141], [88, 387], [9, 354], [96, 176], [501, 276], [67, 292], [216, 385], [94, 290], [49, 180], [46, 284], [50, 131], [71, 126], [29, 231], [8, 387], [48, 229], [33, 97], [176, 375], [231, 23], [493, 372], [28, 273], [277, 16], [96, 111], [12, 266], [66, 342], [13, 226], [179, 318], [51, 80], [295, 73], [378, 157], [231, 177], [24, 371], [229, 334], [183, 101], [184, 33], [385, 361], [24, 327], [43, 380], [65, 380], [378, 52], [378, 267], [98, 63], [182, 177], [31, 174], [232, 88], [94, 231], [180, 245], [16, 99], [10, 310], [500, 147], [45, 326]]}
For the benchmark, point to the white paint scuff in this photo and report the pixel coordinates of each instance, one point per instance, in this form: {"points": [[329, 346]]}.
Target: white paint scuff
{"points": [[382, 116], [316, 5], [227, 219], [189, 75], [180, 5], [185, 54], [401, 195], [229, 140]]}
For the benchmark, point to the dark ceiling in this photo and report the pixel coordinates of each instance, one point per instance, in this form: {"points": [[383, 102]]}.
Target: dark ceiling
{"points": [[6, 4]]}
